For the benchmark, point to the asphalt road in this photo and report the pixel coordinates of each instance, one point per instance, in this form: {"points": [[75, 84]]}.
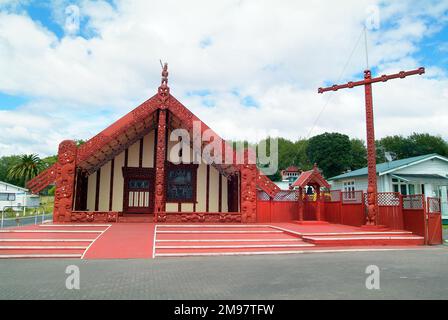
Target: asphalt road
{"points": [[421, 274]]}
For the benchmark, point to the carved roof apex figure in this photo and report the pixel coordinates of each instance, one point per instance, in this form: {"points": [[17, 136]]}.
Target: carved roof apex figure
{"points": [[164, 90], [164, 81]]}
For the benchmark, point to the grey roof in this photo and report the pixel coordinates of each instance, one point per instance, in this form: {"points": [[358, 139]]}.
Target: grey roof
{"points": [[386, 166]]}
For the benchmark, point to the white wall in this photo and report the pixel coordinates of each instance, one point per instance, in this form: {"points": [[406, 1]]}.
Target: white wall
{"points": [[148, 162], [433, 166], [20, 195]]}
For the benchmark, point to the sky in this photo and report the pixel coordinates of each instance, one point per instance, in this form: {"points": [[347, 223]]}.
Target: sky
{"points": [[247, 68]]}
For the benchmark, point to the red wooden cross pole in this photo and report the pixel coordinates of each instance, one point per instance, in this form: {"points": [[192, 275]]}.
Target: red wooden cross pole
{"points": [[372, 217]]}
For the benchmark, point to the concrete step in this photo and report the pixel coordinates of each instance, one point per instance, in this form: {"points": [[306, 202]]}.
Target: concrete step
{"points": [[34, 251], [226, 253], [226, 250], [365, 240], [358, 233], [214, 229], [44, 243], [231, 244], [40, 256], [221, 236]]}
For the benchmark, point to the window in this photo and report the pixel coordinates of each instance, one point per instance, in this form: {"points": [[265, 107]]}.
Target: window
{"points": [[349, 189], [400, 186], [349, 186], [7, 197], [138, 184], [403, 189], [181, 183]]}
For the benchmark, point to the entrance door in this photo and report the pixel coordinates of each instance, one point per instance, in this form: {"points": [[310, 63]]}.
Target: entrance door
{"points": [[138, 190]]}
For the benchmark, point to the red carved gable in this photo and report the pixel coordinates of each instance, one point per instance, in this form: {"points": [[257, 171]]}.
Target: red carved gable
{"points": [[127, 130]]}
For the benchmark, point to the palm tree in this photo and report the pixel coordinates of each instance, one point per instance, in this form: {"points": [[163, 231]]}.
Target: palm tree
{"points": [[29, 166]]}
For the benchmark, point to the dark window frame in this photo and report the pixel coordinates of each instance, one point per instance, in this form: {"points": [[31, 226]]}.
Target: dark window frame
{"points": [[193, 168]]}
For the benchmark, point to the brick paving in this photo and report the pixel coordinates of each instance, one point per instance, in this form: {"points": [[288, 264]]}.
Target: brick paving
{"points": [[415, 274]]}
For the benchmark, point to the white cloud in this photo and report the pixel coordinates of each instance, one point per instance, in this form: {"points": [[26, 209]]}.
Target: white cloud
{"points": [[279, 53]]}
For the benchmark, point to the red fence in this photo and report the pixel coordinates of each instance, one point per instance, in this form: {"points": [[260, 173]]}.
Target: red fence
{"points": [[284, 207], [408, 212], [344, 208], [390, 210]]}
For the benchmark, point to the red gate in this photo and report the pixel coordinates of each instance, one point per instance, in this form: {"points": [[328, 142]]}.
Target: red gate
{"points": [[309, 208], [390, 210], [434, 221]]}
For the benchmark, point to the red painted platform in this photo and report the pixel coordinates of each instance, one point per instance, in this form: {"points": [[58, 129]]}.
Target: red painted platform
{"points": [[124, 241], [49, 241], [148, 240]]}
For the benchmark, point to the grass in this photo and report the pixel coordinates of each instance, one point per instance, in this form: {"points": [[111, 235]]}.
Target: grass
{"points": [[46, 205]]}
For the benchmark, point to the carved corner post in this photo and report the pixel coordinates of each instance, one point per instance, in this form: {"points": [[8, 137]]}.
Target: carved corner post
{"points": [[248, 193], [65, 181], [159, 201], [372, 194]]}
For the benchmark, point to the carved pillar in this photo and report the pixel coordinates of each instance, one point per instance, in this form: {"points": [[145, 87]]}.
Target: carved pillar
{"points": [[248, 193], [372, 203], [159, 201], [65, 181]]}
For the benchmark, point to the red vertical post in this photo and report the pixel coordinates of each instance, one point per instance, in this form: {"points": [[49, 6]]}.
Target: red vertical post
{"points": [[248, 193], [372, 203], [159, 198], [65, 181], [301, 204]]}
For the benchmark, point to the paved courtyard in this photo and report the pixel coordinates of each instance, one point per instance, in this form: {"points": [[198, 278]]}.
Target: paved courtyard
{"points": [[415, 274]]}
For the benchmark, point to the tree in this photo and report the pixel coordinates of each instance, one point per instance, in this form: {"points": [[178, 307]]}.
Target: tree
{"points": [[79, 142], [49, 161], [302, 160], [29, 166], [7, 162], [397, 144], [416, 144], [358, 153], [331, 152], [424, 143]]}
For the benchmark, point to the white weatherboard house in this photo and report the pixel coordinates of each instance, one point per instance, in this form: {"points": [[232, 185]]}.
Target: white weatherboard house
{"points": [[426, 175], [15, 197]]}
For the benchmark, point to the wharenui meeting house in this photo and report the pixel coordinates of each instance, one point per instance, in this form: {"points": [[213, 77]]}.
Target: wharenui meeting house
{"points": [[126, 170], [161, 165]]}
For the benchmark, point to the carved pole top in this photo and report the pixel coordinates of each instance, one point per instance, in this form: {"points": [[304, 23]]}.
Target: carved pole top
{"points": [[164, 90], [164, 82]]}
